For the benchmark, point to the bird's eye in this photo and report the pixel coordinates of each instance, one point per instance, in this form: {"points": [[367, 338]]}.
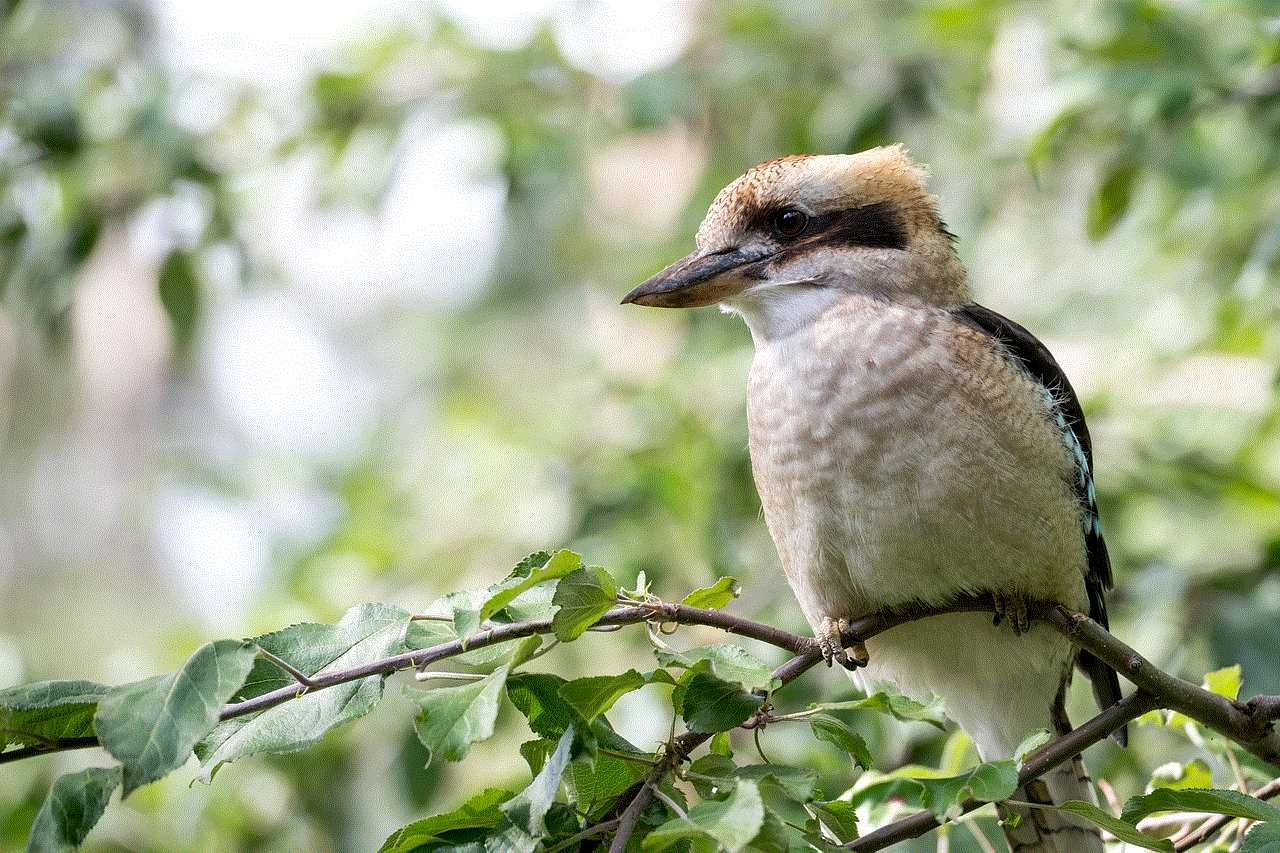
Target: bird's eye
{"points": [[789, 222]]}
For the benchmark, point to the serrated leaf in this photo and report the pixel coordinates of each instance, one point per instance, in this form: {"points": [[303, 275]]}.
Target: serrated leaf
{"points": [[529, 564], [473, 819], [500, 595], [773, 836], [990, 782], [899, 707], [1209, 800], [582, 596], [464, 608], [593, 787], [595, 695], [537, 696], [1110, 202], [731, 822], [525, 811], [453, 718], [843, 737], [151, 726], [45, 712], [365, 634], [710, 704], [73, 806], [1263, 838], [726, 661], [836, 820], [715, 596], [1121, 829], [798, 783], [712, 774]]}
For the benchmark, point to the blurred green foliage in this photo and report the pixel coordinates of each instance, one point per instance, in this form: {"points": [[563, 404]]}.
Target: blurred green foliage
{"points": [[1110, 167]]}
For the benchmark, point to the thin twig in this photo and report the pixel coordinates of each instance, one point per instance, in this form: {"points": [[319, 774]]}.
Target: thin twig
{"points": [[590, 832], [1253, 732], [433, 674], [1201, 833], [297, 674], [1036, 765]]}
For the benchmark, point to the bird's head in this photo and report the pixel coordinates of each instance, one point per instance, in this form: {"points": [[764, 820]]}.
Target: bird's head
{"points": [[792, 236]]}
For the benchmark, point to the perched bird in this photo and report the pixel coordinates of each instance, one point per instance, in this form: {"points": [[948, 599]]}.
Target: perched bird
{"points": [[909, 446]]}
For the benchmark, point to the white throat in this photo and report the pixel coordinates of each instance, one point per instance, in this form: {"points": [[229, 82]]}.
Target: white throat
{"points": [[774, 310]]}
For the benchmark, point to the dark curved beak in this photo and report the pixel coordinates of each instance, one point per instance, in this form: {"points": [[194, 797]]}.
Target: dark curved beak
{"points": [[702, 278]]}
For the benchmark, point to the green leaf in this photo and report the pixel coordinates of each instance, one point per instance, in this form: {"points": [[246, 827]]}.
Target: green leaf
{"points": [[711, 704], [502, 594], [837, 820], [526, 651], [1110, 202], [365, 634], [990, 782], [73, 806], [582, 596], [180, 294], [837, 732], [1118, 827], [731, 822], [151, 726], [899, 707], [797, 783], [464, 607], [45, 712], [1030, 744], [726, 661], [712, 775], [473, 820], [525, 811], [1224, 682], [453, 718], [537, 696], [594, 787], [1263, 838], [1211, 800], [715, 596], [1193, 774], [595, 695]]}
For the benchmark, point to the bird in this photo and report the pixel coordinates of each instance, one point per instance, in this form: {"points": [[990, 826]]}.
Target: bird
{"points": [[909, 447]]}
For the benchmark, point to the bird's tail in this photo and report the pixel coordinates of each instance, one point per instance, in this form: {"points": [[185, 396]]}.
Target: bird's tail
{"points": [[1053, 830]]}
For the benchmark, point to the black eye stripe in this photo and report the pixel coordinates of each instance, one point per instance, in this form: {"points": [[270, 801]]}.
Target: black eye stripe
{"points": [[874, 226]]}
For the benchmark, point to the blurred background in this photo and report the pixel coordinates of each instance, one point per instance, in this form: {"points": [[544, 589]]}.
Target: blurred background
{"points": [[311, 305]]}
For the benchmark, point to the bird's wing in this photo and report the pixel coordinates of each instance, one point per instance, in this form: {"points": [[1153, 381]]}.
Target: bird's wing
{"points": [[1034, 357]]}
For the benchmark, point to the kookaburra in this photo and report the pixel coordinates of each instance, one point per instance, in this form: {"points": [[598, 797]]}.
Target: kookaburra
{"points": [[909, 446]]}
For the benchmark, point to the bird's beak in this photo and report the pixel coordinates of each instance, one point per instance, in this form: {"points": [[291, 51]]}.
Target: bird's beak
{"points": [[702, 278]]}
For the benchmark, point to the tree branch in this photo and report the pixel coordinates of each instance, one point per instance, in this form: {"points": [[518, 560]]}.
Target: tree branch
{"points": [[1248, 724], [1051, 755]]}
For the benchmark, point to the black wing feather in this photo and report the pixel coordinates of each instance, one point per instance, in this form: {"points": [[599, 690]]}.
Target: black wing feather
{"points": [[1035, 358]]}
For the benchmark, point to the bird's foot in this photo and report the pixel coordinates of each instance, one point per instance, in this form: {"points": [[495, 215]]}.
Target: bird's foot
{"points": [[1013, 607], [833, 649]]}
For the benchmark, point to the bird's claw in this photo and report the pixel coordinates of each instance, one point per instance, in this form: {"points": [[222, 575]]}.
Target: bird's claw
{"points": [[1013, 607], [832, 648]]}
